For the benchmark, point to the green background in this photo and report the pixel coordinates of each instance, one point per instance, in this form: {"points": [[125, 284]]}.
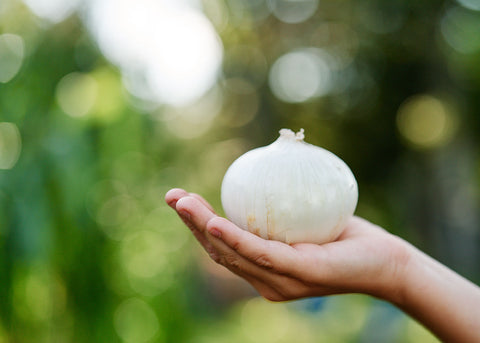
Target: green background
{"points": [[89, 252]]}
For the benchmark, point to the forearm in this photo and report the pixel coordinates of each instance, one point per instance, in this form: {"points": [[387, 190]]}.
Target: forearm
{"points": [[440, 299]]}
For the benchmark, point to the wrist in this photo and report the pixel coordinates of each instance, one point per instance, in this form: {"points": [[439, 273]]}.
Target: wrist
{"points": [[440, 299], [404, 257]]}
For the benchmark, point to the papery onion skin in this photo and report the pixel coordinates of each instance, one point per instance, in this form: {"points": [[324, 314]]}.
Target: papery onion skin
{"points": [[290, 191]]}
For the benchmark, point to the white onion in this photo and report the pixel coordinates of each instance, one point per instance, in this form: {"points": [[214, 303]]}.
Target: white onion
{"points": [[290, 191]]}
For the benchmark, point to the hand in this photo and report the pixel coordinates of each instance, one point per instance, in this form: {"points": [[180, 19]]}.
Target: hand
{"points": [[365, 258]]}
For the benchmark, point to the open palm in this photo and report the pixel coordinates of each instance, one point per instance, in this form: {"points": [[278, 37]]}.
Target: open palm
{"points": [[365, 258]]}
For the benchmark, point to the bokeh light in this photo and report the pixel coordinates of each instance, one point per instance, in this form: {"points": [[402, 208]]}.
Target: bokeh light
{"points": [[470, 4], [293, 11], [76, 94], [172, 239], [136, 322], [53, 10], [426, 122], [243, 13], [147, 257], [110, 102], [217, 12], [10, 145], [11, 56], [143, 254], [461, 30], [300, 75], [168, 51], [39, 294], [258, 10]]}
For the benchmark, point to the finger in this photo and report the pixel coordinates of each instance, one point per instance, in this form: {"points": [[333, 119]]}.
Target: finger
{"points": [[266, 291], [200, 237], [195, 212], [186, 209], [262, 288], [195, 215], [288, 270], [174, 195], [279, 287], [173, 198], [264, 253], [200, 216], [202, 200]]}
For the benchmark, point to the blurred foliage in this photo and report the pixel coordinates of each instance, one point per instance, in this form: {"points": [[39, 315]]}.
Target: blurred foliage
{"points": [[90, 253]]}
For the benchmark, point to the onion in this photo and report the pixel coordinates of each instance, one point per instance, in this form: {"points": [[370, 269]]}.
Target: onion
{"points": [[290, 191]]}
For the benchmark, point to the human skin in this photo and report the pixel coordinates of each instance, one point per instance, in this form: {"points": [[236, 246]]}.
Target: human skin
{"points": [[364, 259]]}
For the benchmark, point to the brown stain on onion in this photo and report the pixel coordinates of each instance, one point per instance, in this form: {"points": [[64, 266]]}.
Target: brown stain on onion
{"points": [[270, 221], [251, 221]]}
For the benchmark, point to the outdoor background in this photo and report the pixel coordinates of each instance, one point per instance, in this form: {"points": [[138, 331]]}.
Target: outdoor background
{"points": [[107, 104]]}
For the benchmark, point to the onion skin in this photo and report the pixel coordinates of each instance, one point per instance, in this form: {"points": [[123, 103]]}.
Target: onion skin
{"points": [[290, 191]]}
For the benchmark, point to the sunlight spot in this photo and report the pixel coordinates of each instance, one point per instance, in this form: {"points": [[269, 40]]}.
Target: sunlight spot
{"points": [[109, 106], [143, 254], [293, 11], [38, 293], [135, 321], [168, 51], [10, 145], [11, 56], [461, 30], [426, 122], [300, 75], [172, 238], [470, 4], [217, 12], [52, 10], [76, 94]]}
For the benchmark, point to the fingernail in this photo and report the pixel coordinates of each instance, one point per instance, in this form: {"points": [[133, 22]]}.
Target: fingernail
{"points": [[215, 233], [185, 215]]}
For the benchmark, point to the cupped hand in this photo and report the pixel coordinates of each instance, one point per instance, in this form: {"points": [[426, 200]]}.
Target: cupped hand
{"points": [[364, 259]]}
